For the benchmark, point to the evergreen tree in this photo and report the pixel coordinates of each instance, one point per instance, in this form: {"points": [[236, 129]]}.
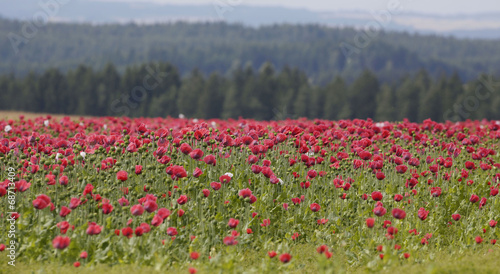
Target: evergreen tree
{"points": [[335, 99], [210, 103], [386, 104], [362, 96], [189, 93], [431, 103]]}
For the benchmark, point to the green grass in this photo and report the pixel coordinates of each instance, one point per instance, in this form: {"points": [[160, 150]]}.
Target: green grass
{"points": [[305, 260]]}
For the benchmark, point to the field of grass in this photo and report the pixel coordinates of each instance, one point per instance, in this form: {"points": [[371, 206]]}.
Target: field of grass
{"points": [[306, 260], [14, 115]]}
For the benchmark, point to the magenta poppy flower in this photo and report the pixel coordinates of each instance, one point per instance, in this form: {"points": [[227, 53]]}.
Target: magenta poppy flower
{"points": [[172, 231], [315, 207], [61, 242], [122, 175], [233, 223], [137, 210], [379, 211], [377, 196], [370, 222], [398, 213], [285, 258], [196, 154]]}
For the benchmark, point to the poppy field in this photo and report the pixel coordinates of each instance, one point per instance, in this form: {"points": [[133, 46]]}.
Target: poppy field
{"points": [[198, 195]]}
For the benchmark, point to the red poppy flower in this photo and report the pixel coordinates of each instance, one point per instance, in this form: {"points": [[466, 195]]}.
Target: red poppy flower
{"points": [[61, 242], [194, 255], [137, 210], [398, 213], [315, 207], [377, 196], [474, 198], [422, 213], [185, 148], [224, 179], [196, 154], [265, 222], [172, 231], [492, 223], [401, 169], [379, 211], [93, 229], [285, 258], [64, 211], [210, 160], [107, 208], [127, 232], [478, 240], [380, 175], [138, 169], [22, 186], [157, 220], [470, 165], [122, 175], [435, 191], [197, 172], [163, 213], [41, 201], [182, 199], [256, 169], [84, 255], [230, 240], [245, 193], [370, 222], [206, 192], [233, 223]]}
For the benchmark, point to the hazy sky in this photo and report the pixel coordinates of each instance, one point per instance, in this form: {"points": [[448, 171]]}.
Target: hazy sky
{"points": [[425, 6]]}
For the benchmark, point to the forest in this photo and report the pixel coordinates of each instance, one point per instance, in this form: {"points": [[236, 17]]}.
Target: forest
{"points": [[322, 52], [158, 89]]}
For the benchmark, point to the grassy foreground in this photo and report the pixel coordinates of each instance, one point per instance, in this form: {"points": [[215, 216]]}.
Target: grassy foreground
{"points": [[306, 260]]}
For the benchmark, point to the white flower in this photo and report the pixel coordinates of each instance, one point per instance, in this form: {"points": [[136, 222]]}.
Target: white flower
{"points": [[8, 128], [229, 174], [81, 124], [105, 127], [281, 181], [46, 123], [310, 154], [57, 156], [181, 116], [83, 154], [195, 120], [214, 125]]}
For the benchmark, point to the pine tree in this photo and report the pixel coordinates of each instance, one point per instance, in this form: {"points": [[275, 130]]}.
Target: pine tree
{"points": [[362, 96], [189, 93], [335, 99], [386, 102]]}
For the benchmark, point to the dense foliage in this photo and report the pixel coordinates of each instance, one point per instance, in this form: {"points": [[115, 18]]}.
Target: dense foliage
{"points": [[321, 52], [157, 89], [163, 192]]}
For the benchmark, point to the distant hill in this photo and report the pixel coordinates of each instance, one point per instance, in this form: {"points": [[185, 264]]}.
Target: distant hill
{"points": [[485, 26], [321, 52]]}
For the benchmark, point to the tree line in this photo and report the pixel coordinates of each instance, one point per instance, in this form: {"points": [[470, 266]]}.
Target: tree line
{"points": [[159, 90], [321, 52]]}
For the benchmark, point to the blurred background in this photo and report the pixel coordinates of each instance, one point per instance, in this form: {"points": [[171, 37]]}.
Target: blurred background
{"points": [[386, 59]]}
